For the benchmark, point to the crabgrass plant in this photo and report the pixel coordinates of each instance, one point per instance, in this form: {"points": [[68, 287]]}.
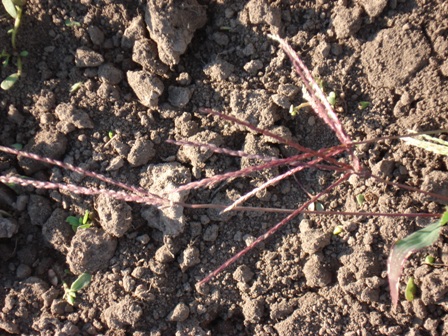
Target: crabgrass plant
{"points": [[323, 159], [15, 9]]}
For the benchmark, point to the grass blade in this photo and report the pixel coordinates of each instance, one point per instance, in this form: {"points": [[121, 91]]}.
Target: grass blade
{"points": [[429, 143], [405, 247]]}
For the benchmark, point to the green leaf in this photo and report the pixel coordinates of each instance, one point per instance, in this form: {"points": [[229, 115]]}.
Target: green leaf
{"points": [[70, 300], [360, 199], [84, 226], [430, 260], [70, 23], [411, 290], [363, 105], [86, 217], [82, 281], [405, 247], [10, 8], [24, 53], [9, 81], [332, 98], [429, 143], [75, 87], [73, 221], [17, 146], [338, 230]]}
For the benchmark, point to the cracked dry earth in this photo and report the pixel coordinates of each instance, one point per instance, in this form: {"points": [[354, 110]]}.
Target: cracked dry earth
{"points": [[146, 68]]}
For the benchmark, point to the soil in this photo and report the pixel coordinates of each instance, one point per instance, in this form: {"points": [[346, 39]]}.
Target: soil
{"points": [[146, 69]]}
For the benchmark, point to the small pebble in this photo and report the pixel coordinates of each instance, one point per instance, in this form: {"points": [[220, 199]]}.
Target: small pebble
{"points": [[180, 313]]}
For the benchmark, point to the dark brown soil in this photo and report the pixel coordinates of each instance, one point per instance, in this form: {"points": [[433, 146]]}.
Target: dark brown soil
{"points": [[145, 70]]}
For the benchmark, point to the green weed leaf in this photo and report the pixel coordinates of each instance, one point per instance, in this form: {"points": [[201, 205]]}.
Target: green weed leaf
{"points": [[405, 247], [9, 81], [82, 281], [10, 8], [24, 53], [411, 290]]}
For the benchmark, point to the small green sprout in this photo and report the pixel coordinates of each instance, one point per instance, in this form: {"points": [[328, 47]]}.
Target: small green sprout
{"points": [[360, 199], [75, 87], [15, 9], [72, 23], [338, 230], [411, 290], [429, 260], [363, 105], [332, 98], [316, 206], [111, 134], [17, 146], [81, 282], [78, 222]]}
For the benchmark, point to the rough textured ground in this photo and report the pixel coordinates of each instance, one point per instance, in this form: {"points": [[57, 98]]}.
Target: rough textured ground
{"points": [[146, 87]]}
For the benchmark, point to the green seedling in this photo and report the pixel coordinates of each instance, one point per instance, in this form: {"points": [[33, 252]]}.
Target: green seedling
{"points": [[411, 290], [332, 99], [403, 249], [338, 230], [360, 199], [111, 134], [429, 260], [363, 105], [17, 146], [81, 282], [75, 87], [79, 222], [72, 23], [15, 9]]}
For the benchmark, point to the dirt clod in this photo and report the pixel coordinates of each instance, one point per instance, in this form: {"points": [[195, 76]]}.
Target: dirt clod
{"points": [[90, 250], [114, 215]]}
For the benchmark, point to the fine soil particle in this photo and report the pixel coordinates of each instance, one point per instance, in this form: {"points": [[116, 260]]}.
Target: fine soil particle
{"points": [[143, 70]]}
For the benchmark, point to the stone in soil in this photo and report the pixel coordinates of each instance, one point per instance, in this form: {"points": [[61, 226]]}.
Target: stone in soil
{"points": [[180, 313], [346, 21], [134, 32], [434, 287], [47, 143], [172, 27], [146, 86], [86, 58], [57, 232], [316, 271], [145, 54], [189, 257], [161, 179], [115, 216], [39, 209], [373, 8], [219, 70], [90, 251], [126, 312], [110, 74], [141, 152], [8, 227], [195, 155], [179, 96], [71, 118]]}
